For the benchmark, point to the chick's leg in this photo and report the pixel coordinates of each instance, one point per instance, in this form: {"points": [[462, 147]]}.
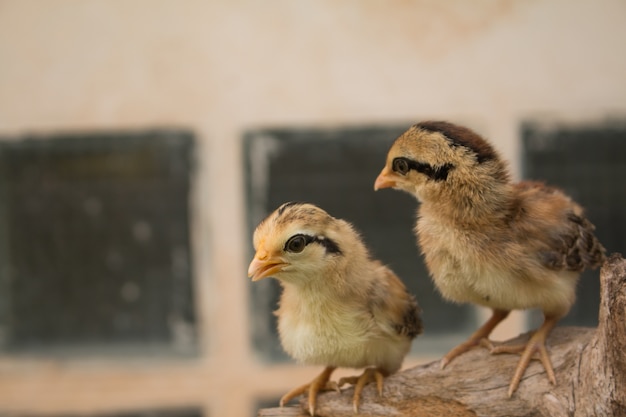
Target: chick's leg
{"points": [[320, 383], [369, 375], [477, 337], [536, 344]]}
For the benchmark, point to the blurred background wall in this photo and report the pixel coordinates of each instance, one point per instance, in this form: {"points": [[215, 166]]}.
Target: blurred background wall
{"points": [[220, 70]]}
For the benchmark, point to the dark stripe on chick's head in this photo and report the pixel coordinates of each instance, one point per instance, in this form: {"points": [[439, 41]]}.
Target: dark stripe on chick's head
{"points": [[403, 165], [285, 206], [306, 214], [298, 242], [462, 136]]}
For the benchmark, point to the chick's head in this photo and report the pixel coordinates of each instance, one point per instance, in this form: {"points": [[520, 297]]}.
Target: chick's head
{"points": [[433, 156], [298, 242]]}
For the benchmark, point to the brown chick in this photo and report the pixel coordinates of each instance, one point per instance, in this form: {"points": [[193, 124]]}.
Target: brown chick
{"points": [[489, 241], [338, 307]]}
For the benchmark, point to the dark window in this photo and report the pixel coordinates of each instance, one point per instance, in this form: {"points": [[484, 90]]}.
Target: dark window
{"points": [[589, 164], [336, 169], [95, 248]]}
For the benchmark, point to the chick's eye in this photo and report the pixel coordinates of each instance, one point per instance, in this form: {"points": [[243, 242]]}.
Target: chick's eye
{"points": [[296, 244], [401, 166]]}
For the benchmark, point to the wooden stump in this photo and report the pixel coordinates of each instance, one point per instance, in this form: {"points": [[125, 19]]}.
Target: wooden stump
{"points": [[590, 366]]}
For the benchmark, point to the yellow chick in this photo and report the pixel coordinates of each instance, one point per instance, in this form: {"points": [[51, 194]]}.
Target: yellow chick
{"points": [[487, 240], [338, 307]]}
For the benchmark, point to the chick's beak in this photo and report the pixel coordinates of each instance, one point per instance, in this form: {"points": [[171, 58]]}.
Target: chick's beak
{"points": [[384, 180], [263, 266]]}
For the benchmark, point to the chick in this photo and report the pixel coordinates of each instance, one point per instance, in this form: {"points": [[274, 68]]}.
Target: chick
{"points": [[338, 307], [487, 240]]}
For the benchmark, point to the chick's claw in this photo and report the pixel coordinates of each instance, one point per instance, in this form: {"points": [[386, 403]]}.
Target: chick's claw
{"points": [[464, 347], [535, 348], [359, 382], [479, 338], [320, 383]]}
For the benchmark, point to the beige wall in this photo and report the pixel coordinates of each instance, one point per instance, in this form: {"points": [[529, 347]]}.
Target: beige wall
{"points": [[220, 67]]}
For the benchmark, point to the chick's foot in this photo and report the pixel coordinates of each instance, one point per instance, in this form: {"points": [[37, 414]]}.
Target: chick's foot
{"points": [[359, 382], [320, 383], [479, 338], [535, 348]]}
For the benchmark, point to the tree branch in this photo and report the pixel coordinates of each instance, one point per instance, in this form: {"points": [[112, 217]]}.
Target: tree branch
{"points": [[590, 366]]}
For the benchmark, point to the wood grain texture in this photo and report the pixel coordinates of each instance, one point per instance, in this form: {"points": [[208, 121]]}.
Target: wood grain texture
{"points": [[590, 366]]}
